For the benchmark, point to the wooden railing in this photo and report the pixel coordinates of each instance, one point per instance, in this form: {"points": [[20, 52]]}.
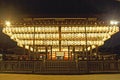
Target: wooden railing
{"points": [[59, 67]]}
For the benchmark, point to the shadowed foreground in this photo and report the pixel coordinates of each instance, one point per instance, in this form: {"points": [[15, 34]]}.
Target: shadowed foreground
{"points": [[59, 77]]}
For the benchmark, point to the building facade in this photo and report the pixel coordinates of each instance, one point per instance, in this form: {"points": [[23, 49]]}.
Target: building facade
{"points": [[60, 38]]}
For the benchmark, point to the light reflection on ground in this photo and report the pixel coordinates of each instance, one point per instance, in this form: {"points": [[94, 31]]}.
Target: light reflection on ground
{"points": [[59, 77]]}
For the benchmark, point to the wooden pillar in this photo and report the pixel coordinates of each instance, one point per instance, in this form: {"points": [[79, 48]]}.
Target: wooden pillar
{"points": [[34, 40], [96, 50], [29, 50], [59, 38], [51, 52], [69, 56], [73, 52], [24, 49], [83, 51], [46, 49], [36, 49], [86, 44], [90, 50]]}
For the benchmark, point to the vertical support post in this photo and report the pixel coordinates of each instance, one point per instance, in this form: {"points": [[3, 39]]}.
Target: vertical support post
{"points": [[91, 52], [51, 52], [29, 49], [34, 40], [46, 52], [59, 38], [69, 53], [33, 48], [73, 52], [97, 51], [30, 53], [24, 48], [86, 50], [83, 49]]}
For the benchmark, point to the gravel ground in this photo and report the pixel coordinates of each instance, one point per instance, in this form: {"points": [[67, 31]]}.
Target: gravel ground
{"points": [[59, 77]]}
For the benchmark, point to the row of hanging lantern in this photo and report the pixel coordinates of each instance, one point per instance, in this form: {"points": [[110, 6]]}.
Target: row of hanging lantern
{"points": [[90, 29], [63, 29], [63, 36], [55, 48], [81, 42], [64, 48], [30, 29], [38, 42], [37, 36], [48, 42], [83, 36]]}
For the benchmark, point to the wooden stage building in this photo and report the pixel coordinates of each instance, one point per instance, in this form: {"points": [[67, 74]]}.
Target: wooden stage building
{"points": [[60, 45]]}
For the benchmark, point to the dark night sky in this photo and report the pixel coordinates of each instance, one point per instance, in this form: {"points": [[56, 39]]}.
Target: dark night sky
{"points": [[14, 8], [58, 7]]}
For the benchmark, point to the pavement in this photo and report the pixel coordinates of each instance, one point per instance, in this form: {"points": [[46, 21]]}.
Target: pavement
{"points": [[59, 77]]}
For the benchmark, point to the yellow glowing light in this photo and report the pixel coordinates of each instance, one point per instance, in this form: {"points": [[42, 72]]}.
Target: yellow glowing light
{"points": [[7, 23], [27, 47], [69, 35], [114, 22]]}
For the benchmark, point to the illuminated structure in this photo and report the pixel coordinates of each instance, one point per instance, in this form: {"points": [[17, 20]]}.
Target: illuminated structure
{"points": [[61, 38]]}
